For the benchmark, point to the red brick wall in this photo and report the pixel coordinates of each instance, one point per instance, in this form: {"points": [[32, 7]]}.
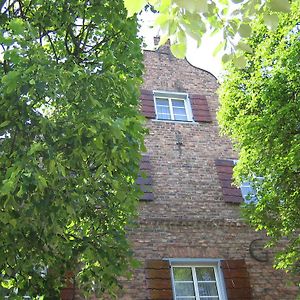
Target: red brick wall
{"points": [[188, 217]]}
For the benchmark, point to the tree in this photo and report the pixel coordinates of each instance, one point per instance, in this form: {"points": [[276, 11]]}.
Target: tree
{"points": [[179, 19], [70, 136], [260, 111]]}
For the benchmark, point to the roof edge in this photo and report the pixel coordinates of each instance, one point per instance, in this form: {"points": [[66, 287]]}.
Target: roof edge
{"points": [[210, 73]]}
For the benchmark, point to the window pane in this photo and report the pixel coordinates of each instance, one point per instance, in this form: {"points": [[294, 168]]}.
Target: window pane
{"points": [[162, 109], [177, 103], [207, 289], [205, 274], [161, 101], [179, 111], [184, 289], [180, 118], [182, 274], [209, 298], [164, 116], [248, 192]]}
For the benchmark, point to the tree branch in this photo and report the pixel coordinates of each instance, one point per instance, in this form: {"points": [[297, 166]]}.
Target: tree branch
{"points": [[52, 46]]}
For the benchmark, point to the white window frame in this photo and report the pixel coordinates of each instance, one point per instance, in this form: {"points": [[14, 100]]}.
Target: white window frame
{"points": [[193, 263], [174, 96]]}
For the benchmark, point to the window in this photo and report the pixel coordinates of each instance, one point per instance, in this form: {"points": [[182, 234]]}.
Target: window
{"points": [[172, 106], [197, 281], [248, 191]]}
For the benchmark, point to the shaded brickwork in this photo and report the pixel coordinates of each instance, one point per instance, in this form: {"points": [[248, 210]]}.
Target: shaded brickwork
{"points": [[188, 217]]}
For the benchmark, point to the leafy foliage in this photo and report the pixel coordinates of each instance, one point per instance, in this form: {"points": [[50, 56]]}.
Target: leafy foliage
{"points": [[179, 19], [260, 111], [70, 138]]}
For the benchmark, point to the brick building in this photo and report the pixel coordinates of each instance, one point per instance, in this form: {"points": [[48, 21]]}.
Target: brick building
{"points": [[190, 237]]}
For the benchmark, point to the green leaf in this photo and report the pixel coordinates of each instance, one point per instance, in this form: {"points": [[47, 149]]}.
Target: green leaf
{"points": [[134, 6], [163, 40], [179, 50], [164, 5], [181, 37], [244, 47], [239, 61], [52, 166], [4, 124], [219, 48], [35, 148], [162, 19], [7, 186], [42, 182], [13, 222], [193, 6], [244, 30], [11, 80], [279, 5], [17, 26], [271, 21], [226, 58], [172, 27]]}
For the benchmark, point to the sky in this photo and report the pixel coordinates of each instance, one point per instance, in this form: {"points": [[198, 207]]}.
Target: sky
{"points": [[200, 57]]}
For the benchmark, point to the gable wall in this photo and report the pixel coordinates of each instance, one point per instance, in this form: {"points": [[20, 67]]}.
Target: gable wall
{"points": [[188, 217]]}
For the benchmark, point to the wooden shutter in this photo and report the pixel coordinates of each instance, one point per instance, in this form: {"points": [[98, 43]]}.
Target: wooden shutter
{"points": [[237, 279], [67, 294], [69, 291], [147, 104], [158, 277], [200, 108], [144, 180], [231, 193]]}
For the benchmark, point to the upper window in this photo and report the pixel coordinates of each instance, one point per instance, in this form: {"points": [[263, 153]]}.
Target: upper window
{"points": [[172, 106], [198, 282], [249, 193]]}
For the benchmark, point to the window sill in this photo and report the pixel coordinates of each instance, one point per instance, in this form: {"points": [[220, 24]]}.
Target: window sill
{"points": [[174, 121]]}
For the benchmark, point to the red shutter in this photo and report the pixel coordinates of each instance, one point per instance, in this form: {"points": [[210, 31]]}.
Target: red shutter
{"points": [[67, 294], [200, 108], [158, 276], [69, 291], [225, 171], [144, 180], [237, 279], [147, 101]]}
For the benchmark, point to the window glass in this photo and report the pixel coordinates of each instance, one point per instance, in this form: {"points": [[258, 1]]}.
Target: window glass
{"points": [[195, 282], [248, 192], [179, 114], [178, 103], [182, 274], [180, 118], [184, 289], [161, 101], [169, 107], [206, 281], [205, 274], [163, 109], [184, 285], [208, 289]]}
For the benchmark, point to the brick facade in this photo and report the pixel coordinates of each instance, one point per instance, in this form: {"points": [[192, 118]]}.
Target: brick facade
{"points": [[188, 217], [186, 214]]}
